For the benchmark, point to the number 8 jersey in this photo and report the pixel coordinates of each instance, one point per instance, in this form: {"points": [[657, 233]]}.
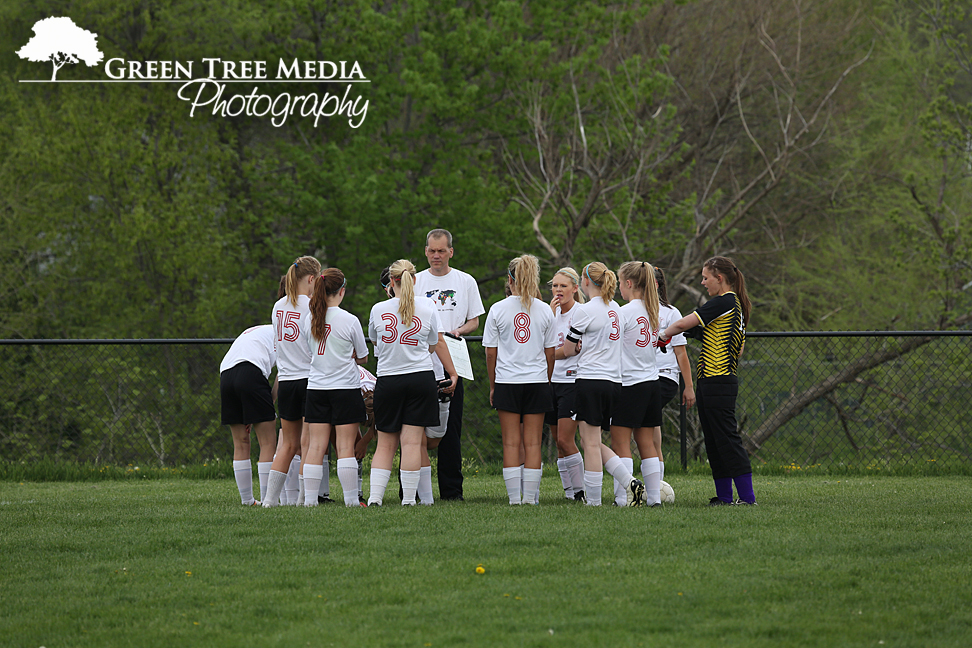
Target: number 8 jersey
{"points": [[403, 349], [520, 339], [293, 356]]}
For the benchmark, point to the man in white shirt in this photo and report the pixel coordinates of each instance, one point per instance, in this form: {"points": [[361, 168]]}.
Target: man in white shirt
{"points": [[456, 296]]}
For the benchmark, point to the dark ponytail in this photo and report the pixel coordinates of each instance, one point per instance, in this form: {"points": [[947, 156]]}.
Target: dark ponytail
{"points": [[724, 266]]}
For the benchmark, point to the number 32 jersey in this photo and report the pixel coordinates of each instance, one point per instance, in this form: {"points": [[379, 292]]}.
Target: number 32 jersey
{"points": [[403, 349], [520, 338]]}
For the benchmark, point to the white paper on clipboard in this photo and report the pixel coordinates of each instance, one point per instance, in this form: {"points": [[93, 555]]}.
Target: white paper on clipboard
{"points": [[460, 356]]}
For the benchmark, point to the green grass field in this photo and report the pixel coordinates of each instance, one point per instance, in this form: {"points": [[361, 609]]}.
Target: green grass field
{"points": [[823, 561]]}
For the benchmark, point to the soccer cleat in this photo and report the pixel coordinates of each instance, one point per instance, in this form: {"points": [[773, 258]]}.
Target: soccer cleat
{"points": [[324, 499], [740, 502], [636, 492], [655, 505], [362, 501], [580, 497], [715, 501], [255, 502]]}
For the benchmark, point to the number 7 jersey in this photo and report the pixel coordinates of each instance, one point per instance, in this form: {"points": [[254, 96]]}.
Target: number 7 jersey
{"points": [[293, 355], [403, 349]]}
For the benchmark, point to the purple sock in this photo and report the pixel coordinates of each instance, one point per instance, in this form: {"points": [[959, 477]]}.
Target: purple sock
{"points": [[724, 489], [744, 486]]}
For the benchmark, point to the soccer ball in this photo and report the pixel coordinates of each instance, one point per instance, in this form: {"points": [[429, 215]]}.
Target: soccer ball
{"points": [[667, 493]]}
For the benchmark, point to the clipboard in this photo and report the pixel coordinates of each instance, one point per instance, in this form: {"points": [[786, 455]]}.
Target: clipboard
{"points": [[460, 355]]}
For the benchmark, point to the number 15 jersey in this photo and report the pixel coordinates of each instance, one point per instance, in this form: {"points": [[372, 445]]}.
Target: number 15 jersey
{"points": [[403, 349]]}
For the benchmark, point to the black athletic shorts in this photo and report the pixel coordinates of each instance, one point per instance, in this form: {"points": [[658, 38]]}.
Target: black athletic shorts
{"points": [[291, 398], [408, 399], [526, 398], [335, 406], [594, 401], [245, 396], [667, 389], [639, 406], [563, 397]]}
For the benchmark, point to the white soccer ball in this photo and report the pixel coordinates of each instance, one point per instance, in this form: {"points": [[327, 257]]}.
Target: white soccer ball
{"points": [[667, 493]]}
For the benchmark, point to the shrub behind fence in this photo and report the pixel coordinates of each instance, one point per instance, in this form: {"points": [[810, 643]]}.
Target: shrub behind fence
{"points": [[831, 399]]}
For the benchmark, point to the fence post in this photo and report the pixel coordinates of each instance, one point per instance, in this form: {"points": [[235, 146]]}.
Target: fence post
{"points": [[682, 420]]}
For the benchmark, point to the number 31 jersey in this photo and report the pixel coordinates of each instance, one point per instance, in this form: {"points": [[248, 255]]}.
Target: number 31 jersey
{"points": [[520, 338], [403, 349]]}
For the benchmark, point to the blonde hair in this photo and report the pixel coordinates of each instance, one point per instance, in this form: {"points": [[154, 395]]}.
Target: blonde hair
{"points": [[300, 268], [525, 273], [642, 277], [571, 274], [605, 280], [402, 274]]}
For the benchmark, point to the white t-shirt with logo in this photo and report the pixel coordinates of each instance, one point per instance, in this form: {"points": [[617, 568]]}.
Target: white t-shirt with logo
{"points": [[293, 354], [333, 363], [456, 297], [565, 371], [667, 362], [403, 349], [520, 337], [254, 345], [601, 328], [638, 351]]}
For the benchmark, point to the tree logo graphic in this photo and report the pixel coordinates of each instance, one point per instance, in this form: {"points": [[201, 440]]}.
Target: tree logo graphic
{"points": [[60, 41]]}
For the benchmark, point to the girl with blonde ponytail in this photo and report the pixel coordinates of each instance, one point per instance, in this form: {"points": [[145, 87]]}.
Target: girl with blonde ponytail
{"points": [[639, 410], [598, 383], [519, 339], [293, 367], [405, 332]]}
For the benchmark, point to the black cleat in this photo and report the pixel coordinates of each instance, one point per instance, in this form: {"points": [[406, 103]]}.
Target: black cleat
{"points": [[715, 501]]}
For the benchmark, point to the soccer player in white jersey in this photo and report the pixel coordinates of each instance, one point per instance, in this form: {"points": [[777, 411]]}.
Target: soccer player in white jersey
{"points": [[598, 382], [246, 401], [519, 339], [670, 365], [565, 286], [337, 345], [405, 332], [293, 367], [638, 411], [456, 297]]}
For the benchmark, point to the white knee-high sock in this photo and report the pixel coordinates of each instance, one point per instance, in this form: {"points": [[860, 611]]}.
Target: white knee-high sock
{"points": [[565, 478], [575, 468], [292, 489], [425, 486], [244, 480], [531, 484], [617, 469], [310, 481], [275, 484], [379, 481], [652, 475], [661, 469], [300, 491], [347, 470], [325, 490], [621, 490], [263, 471], [410, 480], [512, 478], [592, 487]]}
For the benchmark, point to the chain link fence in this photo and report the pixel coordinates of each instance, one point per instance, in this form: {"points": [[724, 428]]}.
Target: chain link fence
{"points": [[839, 399]]}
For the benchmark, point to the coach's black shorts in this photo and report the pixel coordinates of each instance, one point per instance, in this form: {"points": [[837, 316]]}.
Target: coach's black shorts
{"points": [[408, 399], [667, 389], [291, 397], [245, 396], [526, 398], [335, 406], [639, 406], [563, 403], [594, 401]]}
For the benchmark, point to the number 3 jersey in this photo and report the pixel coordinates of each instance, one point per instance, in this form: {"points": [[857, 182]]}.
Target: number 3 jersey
{"points": [[638, 362], [293, 355], [401, 348], [599, 326], [520, 337]]}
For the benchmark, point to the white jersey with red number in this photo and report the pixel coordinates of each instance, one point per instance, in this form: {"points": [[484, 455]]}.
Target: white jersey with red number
{"points": [[638, 350], [600, 327], [254, 345], [403, 349], [293, 354], [667, 363], [520, 337], [565, 371], [368, 379], [332, 359]]}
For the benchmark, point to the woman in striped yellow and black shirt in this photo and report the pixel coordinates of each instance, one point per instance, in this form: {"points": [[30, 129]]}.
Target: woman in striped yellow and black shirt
{"points": [[723, 321]]}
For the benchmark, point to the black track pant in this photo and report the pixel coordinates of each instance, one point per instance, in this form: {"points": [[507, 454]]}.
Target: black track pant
{"points": [[716, 398], [449, 463]]}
